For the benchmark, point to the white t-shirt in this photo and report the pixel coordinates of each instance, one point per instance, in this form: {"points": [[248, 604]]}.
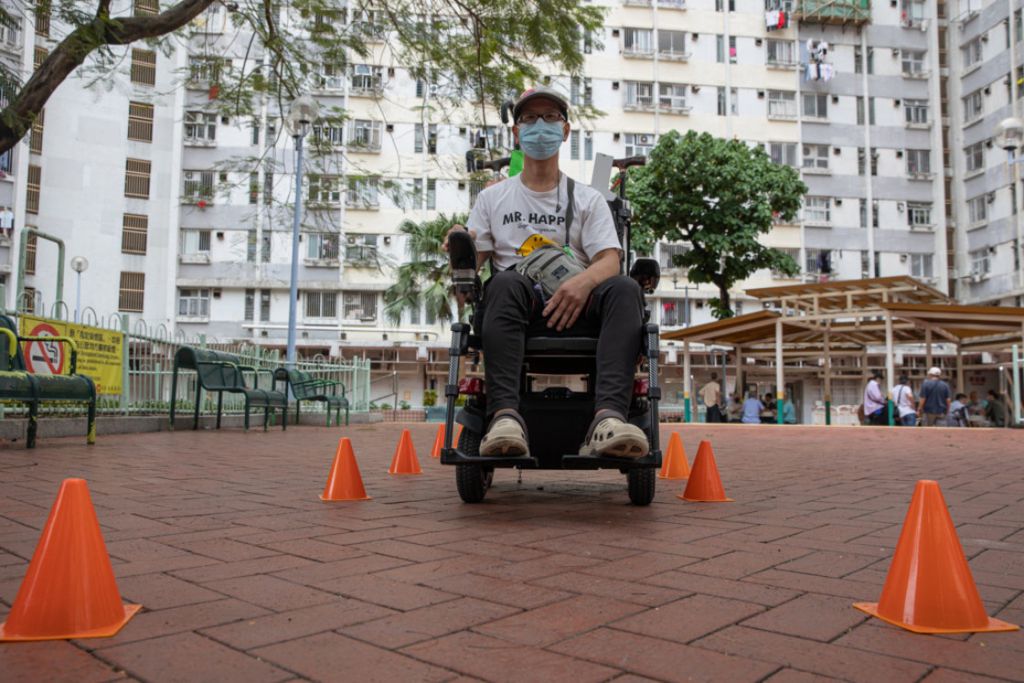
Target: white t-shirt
{"points": [[508, 213], [902, 395]]}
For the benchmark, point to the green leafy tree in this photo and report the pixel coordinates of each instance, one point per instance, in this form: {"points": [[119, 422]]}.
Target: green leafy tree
{"points": [[424, 276], [718, 197], [477, 51]]}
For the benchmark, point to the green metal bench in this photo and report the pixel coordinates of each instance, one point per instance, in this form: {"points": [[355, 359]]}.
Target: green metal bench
{"points": [[224, 372], [306, 387], [18, 384]]}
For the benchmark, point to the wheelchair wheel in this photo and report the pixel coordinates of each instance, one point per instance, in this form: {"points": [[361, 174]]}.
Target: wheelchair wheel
{"points": [[641, 482], [472, 480]]}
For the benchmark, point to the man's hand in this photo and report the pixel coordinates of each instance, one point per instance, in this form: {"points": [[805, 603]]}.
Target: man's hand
{"points": [[565, 306], [444, 245]]}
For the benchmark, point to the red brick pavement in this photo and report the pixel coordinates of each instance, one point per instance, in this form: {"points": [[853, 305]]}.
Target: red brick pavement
{"points": [[245, 575]]}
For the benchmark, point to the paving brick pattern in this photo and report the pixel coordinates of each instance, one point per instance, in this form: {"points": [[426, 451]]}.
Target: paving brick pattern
{"points": [[246, 576]]}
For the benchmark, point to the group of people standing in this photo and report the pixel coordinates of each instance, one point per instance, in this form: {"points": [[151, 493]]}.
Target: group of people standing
{"points": [[935, 404], [751, 410]]}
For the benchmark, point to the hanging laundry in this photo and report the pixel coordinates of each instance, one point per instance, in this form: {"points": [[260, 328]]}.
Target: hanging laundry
{"points": [[826, 72], [771, 20], [783, 20]]}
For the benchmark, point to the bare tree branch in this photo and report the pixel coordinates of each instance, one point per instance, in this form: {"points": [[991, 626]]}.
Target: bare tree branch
{"points": [[17, 117]]}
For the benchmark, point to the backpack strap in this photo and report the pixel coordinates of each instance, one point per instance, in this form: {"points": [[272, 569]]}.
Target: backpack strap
{"points": [[570, 206]]}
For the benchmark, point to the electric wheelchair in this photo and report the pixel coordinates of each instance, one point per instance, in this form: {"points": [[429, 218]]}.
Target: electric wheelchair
{"points": [[557, 418]]}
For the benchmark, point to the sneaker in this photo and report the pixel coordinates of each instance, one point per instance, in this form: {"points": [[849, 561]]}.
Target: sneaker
{"points": [[614, 437], [505, 437]]}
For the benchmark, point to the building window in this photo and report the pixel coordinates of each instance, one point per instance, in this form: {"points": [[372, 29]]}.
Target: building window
{"points": [[134, 228], [639, 95], [915, 111], [331, 76], [781, 104], [367, 79], [672, 97], [783, 153], [7, 161], [977, 209], [321, 246], [720, 5], [864, 213], [197, 186], [264, 305], [817, 209], [588, 146], [365, 135], [136, 178], [200, 127], [919, 161], [31, 249], [362, 193], [913, 62], [321, 304], [581, 92], [268, 187], [323, 189], [974, 105], [145, 7], [254, 187], [360, 306], [672, 44], [250, 305], [35, 140], [638, 144], [194, 303], [971, 52], [10, 32], [35, 181], [266, 242], [42, 12], [860, 111], [132, 292], [477, 186], [574, 145], [195, 242], [361, 248], [206, 70], [417, 140], [921, 265], [816, 156], [638, 41], [975, 155], [252, 243], [140, 121], [815, 105], [858, 60], [143, 69], [732, 49], [981, 264], [667, 253], [919, 215], [431, 194], [328, 133], [720, 48], [780, 52]]}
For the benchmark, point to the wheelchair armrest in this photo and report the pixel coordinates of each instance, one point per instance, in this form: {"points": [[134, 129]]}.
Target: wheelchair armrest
{"points": [[647, 273]]}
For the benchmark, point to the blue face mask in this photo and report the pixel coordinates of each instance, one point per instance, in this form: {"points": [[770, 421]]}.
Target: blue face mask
{"points": [[540, 140]]}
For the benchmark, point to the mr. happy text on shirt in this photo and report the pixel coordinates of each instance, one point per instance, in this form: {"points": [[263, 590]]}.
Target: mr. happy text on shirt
{"points": [[532, 218]]}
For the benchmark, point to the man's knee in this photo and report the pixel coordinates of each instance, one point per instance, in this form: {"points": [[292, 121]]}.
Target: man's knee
{"points": [[505, 283], [622, 291]]}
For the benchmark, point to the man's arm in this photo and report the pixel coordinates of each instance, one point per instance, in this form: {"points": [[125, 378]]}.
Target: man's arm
{"points": [[566, 305]]}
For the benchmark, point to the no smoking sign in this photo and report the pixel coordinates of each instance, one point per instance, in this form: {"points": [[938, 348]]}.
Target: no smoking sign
{"points": [[44, 357]]}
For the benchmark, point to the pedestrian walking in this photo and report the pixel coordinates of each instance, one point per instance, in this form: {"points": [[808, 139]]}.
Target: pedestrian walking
{"points": [[903, 398], [711, 395], [934, 399]]}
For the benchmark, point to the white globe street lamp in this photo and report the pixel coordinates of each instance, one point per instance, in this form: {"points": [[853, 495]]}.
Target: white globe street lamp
{"points": [[79, 264]]}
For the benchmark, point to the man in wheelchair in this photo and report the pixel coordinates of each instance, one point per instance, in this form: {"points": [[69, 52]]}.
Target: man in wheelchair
{"points": [[556, 262]]}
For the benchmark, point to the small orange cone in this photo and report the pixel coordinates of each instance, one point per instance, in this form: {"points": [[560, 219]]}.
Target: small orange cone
{"points": [[69, 590], [674, 466], [405, 461], [344, 482], [435, 452], [929, 588], [704, 486]]}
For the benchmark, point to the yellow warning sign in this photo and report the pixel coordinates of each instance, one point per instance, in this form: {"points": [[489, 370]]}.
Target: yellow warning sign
{"points": [[100, 351]]}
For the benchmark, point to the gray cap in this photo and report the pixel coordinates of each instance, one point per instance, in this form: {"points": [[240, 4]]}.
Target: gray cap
{"points": [[540, 91]]}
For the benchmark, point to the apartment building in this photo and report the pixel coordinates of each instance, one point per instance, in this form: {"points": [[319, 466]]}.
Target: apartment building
{"points": [[185, 213]]}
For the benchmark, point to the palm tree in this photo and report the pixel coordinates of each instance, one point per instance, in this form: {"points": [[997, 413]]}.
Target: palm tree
{"points": [[424, 276]]}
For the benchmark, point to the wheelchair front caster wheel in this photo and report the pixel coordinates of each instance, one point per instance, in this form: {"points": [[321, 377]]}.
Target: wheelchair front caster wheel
{"points": [[473, 482], [641, 481]]}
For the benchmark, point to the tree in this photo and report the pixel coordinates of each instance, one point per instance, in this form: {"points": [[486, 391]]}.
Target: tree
{"points": [[424, 276], [476, 51], [718, 197]]}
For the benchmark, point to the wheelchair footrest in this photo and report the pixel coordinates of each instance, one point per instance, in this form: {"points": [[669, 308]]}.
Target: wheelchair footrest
{"points": [[596, 462], [454, 456]]}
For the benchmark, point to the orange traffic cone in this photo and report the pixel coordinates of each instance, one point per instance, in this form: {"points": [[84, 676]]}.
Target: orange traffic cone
{"points": [[704, 486], [674, 465], [435, 452], [929, 588], [405, 461], [344, 481], [69, 590]]}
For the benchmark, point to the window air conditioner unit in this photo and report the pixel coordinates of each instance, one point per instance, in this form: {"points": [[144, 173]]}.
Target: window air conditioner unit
{"points": [[642, 139]]}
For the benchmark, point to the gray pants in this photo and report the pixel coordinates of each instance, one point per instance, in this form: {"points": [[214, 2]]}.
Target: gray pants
{"points": [[512, 309]]}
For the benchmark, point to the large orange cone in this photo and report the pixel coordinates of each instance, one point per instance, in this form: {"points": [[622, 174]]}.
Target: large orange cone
{"points": [[929, 588], [344, 482], [435, 452], [69, 590], [674, 466], [405, 461], [704, 486]]}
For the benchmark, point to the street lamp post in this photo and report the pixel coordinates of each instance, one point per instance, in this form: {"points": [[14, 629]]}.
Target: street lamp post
{"points": [[303, 112], [1010, 136], [79, 264]]}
